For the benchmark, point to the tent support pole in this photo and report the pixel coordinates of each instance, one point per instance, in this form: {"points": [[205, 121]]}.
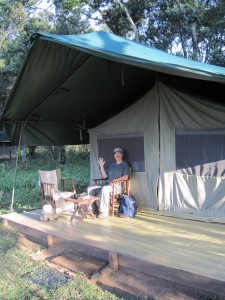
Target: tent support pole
{"points": [[15, 172], [159, 142]]}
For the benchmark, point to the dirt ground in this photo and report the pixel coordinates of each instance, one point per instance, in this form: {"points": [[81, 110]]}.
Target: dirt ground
{"points": [[135, 285], [130, 284]]}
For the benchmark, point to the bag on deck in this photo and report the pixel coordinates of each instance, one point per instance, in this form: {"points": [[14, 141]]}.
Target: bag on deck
{"points": [[128, 207]]}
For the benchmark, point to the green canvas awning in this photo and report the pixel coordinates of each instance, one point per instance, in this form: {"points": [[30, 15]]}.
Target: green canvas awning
{"points": [[70, 83]]}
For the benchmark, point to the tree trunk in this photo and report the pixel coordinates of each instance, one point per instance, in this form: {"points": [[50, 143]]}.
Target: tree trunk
{"points": [[132, 24], [194, 41]]}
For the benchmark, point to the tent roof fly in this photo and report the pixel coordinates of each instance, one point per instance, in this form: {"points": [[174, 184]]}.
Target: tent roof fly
{"points": [[70, 83]]}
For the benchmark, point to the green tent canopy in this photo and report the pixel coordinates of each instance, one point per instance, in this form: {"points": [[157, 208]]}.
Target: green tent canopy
{"points": [[71, 83]]}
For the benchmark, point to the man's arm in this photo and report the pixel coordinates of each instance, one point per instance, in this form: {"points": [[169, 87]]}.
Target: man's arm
{"points": [[125, 177], [101, 166]]}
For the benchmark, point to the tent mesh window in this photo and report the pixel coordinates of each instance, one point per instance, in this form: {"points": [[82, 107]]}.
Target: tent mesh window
{"points": [[200, 152], [132, 144]]}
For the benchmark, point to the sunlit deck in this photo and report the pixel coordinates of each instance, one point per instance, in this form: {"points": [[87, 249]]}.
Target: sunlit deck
{"points": [[186, 251]]}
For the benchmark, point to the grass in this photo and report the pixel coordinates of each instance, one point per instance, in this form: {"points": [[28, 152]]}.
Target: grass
{"points": [[27, 191], [16, 263]]}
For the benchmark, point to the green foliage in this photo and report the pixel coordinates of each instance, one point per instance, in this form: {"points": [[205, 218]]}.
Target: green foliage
{"points": [[27, 190], [18, 21], [70, 17]]}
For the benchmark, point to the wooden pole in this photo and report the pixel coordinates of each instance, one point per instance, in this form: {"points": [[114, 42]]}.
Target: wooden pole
{"points": [[15, 172]]}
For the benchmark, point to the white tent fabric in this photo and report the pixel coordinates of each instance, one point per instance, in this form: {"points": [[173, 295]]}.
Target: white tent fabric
{"points": [[157, 115], [139, 117], [199, 195]]}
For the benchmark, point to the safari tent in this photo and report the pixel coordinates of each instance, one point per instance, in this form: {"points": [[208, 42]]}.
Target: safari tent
{"points": [[167, 112]]}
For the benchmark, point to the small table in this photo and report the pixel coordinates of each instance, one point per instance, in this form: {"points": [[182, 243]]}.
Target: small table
{"points": [[85, 201]]}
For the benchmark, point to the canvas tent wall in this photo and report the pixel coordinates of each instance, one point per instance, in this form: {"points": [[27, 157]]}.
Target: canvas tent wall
{"points": [[169, 119]]}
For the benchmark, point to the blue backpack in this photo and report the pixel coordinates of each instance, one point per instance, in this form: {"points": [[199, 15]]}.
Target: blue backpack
{"points": [[128, 207]]}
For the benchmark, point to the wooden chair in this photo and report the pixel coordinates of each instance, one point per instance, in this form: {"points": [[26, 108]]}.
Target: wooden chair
{"points": [[119, 188], [50, 193]]}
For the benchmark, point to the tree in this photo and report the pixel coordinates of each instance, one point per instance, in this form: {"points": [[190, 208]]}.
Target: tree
{"points": [[193, 29], [18, 21], [196, 27], [69, 18]]}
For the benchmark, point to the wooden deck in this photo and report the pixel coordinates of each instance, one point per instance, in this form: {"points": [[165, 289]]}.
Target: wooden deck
{"points": [[184, 251]]}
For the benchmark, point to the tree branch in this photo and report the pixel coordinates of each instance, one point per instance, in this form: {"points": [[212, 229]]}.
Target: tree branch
{"points": [[133, 26]]}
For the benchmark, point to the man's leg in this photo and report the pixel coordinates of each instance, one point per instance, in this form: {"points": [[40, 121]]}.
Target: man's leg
{"points": [[104, 202], [95, 191]]}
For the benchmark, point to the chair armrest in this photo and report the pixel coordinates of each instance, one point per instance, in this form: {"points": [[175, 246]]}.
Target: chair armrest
{"points": [[96, 180], [120, 180], [124, 183]]}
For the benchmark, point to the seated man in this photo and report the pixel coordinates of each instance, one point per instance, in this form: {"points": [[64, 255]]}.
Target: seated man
{"points": [[118, 170]]}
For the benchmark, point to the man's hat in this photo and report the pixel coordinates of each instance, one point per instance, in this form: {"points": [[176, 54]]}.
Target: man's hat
{"points": [[118, 150]]}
